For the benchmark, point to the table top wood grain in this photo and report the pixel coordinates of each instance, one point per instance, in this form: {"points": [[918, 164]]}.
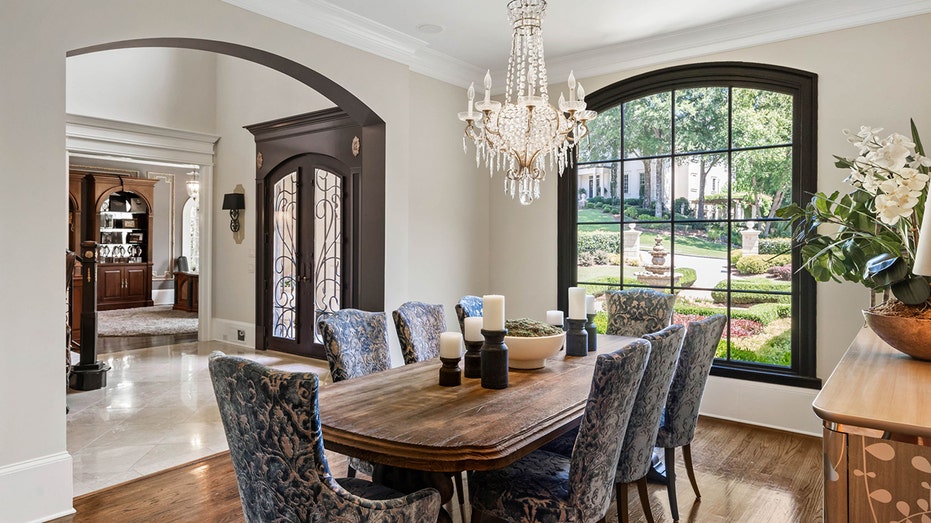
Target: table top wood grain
{"points": [[403, 417], [877, 387]]}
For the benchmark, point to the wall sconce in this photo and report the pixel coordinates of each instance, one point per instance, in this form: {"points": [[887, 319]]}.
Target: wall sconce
{"points": [[234, 202]]}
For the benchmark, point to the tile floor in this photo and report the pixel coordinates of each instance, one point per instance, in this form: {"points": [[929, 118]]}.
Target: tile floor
{"points": [[157, 411]]}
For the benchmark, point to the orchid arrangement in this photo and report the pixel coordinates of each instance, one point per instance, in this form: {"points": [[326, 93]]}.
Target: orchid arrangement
{"points": [[870, 234]]}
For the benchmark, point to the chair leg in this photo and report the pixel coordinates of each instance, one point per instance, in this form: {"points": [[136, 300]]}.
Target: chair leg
{"points": [[670, 456], [623, 506], [687, 454], [457, 476], [645, 499]]}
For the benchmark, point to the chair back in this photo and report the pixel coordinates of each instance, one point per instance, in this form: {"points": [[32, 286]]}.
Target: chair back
{"points": [[355, 342], [637, 449], [419, 326], [272, 424], [688, 381], [468, 307], [607, 412], [635, 312]]}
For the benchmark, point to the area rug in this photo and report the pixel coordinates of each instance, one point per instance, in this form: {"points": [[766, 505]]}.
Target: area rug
{"points": [[146, 321]]}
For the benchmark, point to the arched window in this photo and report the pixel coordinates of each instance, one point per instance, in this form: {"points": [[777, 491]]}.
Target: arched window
{"points": [[695, 161]]}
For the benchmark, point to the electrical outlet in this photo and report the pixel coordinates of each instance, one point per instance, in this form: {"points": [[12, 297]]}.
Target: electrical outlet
{"points": [[240, 335]]}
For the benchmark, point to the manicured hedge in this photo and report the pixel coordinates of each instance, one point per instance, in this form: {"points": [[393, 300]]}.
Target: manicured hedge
{"points": [[775, 245], [593, 241], [753, 284], [760, 263]]}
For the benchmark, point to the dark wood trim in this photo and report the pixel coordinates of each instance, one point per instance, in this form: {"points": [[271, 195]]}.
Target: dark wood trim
{"points": [[326, 137], [803, 86]]}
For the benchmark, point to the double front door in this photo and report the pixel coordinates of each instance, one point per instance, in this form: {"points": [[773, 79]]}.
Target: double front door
{"points": [[305, 253]]}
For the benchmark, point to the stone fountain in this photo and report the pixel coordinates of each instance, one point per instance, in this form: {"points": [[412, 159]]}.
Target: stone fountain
{"points": [[657, 271]]}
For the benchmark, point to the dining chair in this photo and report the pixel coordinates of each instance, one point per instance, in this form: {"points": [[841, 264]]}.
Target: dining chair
{"points": [[419, 326], [635, 312], [677, 428], [272, 423], [640, 435], [549, 488], [356, 344], [467, 307]]}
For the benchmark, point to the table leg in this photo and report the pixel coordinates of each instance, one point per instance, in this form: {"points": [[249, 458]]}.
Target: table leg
{"points": [[409, 480]]}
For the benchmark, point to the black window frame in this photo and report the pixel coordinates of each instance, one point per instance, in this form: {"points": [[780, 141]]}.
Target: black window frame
{"points": [[803, 86]]}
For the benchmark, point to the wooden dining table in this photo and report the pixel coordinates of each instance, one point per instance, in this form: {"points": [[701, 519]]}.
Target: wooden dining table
{"points": [[402, 417]]}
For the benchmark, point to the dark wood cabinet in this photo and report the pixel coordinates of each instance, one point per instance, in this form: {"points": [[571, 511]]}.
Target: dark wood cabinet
{"points": [[116, 212], [123, 285], [186, 290]]}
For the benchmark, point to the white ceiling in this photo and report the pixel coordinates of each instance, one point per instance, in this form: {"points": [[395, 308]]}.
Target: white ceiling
{"points": [[590, 36]]}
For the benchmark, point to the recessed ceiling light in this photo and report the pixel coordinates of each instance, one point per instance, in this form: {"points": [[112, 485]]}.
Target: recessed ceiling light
{"points": [[430, 28]]}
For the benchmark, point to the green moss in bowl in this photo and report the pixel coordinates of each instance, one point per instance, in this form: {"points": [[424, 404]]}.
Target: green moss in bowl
{"points": [[527, 328]]}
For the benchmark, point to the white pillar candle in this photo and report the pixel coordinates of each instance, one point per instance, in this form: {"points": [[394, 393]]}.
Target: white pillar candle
{"points": [[589, 304], [450, 345], [554, 317], [493, 312], [576, 303], [473, 328]]}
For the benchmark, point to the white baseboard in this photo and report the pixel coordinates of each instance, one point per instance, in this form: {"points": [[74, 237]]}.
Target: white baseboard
{"points": [[763, 404], [36, 490], [227, 331], [163, 296]]}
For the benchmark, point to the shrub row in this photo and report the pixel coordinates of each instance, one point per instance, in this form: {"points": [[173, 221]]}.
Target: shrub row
{"points": [[760, 263], [592, 241], [754, 284], [762, 312], [775, 245]]}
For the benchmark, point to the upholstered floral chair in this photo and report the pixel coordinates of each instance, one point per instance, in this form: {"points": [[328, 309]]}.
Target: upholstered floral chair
{"points": [[356, 344], [272, 424], [637, 449], [635, 312], [688, 383], [419, 326], [545, 487], [468, 307]]}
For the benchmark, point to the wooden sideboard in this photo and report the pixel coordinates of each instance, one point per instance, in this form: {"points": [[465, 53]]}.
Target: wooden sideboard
{"points": [[877, 435], [186, 290]]}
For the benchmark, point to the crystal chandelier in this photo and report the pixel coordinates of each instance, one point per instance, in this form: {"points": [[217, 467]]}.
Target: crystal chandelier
{"points": [[526, 135]]}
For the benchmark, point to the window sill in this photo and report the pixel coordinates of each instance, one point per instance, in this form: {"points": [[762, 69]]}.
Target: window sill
{"points": [[740, 372]]}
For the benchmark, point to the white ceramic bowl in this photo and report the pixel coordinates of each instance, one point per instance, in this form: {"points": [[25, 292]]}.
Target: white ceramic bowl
{"points": [[531, 352]]}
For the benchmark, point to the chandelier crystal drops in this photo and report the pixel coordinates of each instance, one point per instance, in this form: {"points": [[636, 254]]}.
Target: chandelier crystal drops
{"points": [[526, 135]]}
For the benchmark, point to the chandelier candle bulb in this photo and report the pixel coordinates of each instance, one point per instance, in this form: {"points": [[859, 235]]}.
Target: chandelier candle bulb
{"points": [[576, 303], [493, 312], [473, 328]]}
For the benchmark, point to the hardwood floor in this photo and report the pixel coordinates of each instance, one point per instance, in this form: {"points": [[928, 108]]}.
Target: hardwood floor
{"points": [[745, 473], [106, 344]]}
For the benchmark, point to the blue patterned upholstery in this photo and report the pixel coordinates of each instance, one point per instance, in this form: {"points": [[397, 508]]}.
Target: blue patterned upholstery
{"points": [[467, 307], [549, 488], [272, 424], [637, 449], [688, 383], [356, 343], [635, 312], [419, 326]]}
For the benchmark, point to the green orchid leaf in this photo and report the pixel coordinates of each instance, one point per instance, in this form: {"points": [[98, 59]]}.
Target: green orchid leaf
{"points": [[912, 291], [885, 269]]}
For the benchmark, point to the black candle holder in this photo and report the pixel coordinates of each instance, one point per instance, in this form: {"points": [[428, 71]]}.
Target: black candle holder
{"points": [[494, 360], [576, 338], [473, 359], [592, 331], [450, 375]]}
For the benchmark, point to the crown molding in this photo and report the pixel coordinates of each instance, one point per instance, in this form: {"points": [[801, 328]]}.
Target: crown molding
{"points": [[785, 23]]}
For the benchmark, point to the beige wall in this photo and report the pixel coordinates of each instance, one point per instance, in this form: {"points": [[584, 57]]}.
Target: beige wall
{"points": [[867, 76], [35, 469]]}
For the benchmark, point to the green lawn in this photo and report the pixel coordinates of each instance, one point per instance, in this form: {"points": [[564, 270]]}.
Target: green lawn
{"points": [[689, 245]]}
